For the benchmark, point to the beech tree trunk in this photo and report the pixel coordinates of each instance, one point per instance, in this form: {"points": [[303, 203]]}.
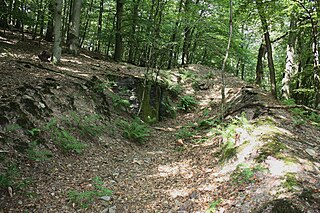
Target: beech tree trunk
{"points": [[223, 99], [259, 68], [100, 25], [118, 43], [49, 32], [56, 55], [289, 67], [74, 26], [133, 38], [173, 46], [269, 47]]}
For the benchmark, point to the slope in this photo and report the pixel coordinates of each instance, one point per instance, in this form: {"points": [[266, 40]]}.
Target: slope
{"points": [[262, 156]]}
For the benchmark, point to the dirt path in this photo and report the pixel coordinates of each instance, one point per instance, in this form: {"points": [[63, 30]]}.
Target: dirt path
{"points": [[167, 174]]}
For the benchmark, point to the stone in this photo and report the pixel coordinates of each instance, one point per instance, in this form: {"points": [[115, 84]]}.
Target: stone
{"points": [[106, 198], [311, 152]]}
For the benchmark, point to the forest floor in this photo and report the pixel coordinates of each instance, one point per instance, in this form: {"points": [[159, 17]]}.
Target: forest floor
{"points": [[276, 164]]}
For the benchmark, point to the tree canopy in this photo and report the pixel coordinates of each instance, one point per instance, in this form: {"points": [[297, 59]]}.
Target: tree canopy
{"points": [[274, 44]]}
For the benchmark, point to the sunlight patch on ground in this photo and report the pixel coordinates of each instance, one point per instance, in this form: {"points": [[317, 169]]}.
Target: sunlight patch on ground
{"points": [[68, 60], [4, 40], [174, 193], [279, 167], [180, 168]]}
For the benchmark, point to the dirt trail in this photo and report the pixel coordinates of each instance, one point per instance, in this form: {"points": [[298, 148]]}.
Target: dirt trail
{"points": [[167, 174]]}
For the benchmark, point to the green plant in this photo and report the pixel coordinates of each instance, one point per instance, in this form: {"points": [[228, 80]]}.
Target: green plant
{"points": [[213, 206], [184, 133], [119, 103], [187, 103], [136, 131], [86, 125], [34, 132], [35, 153], [9, 176], [66, 141], [12, 127], [176, 89], [228, 151], [85, 198], [290, 181], [245, 174]]}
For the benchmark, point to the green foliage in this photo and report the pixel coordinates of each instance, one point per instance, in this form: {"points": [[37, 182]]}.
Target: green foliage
{"points": [[290, 181], [176, 89], [67, 141], [9, 176], [119, 103], [36, 153], [87, 124], [184, 133], [245, 174], [84, 198], [228, 151], [187, 103], [136, 131], [12, 128], [213, 206]]}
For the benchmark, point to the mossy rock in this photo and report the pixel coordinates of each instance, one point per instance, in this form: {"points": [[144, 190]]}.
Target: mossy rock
{"points": [[279, 206]]}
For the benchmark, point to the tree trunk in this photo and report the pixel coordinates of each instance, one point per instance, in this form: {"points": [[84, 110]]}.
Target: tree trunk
{"points": [[99, 25], [187, 36], [49, 33], [56, 55], [259, 68], [87, 18], [289, 67], [74, 26], [118, 43], [315, 47], [269, 47], [3, 11], [133, 39], [223, 99]]}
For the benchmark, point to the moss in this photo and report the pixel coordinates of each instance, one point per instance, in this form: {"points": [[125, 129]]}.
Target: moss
{"points": [[228, 151], [290, 181], [279, 206], [273, 148], [265, 121]]}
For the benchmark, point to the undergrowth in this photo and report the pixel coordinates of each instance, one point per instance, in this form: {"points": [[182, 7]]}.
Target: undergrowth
{"points": [[136, 131], [83, 199]]}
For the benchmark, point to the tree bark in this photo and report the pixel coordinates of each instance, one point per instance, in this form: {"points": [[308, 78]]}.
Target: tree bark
{"points": [[87, 23], [49, 33], [56, 55], [118, 42], [133, 39], [173, 46], [223, 98], [100, 25], [269, 47], [259, 68], [74, 27], [289, 67]]}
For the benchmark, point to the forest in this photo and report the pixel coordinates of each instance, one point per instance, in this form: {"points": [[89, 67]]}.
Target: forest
{"points": [[160, 106], [274, 43]]}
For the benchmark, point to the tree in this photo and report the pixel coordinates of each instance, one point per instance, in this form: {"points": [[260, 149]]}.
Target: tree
{"points": [[118, 43], [225, 60], [56, 55], [265, 29], [73, 33], [289, 66]]}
